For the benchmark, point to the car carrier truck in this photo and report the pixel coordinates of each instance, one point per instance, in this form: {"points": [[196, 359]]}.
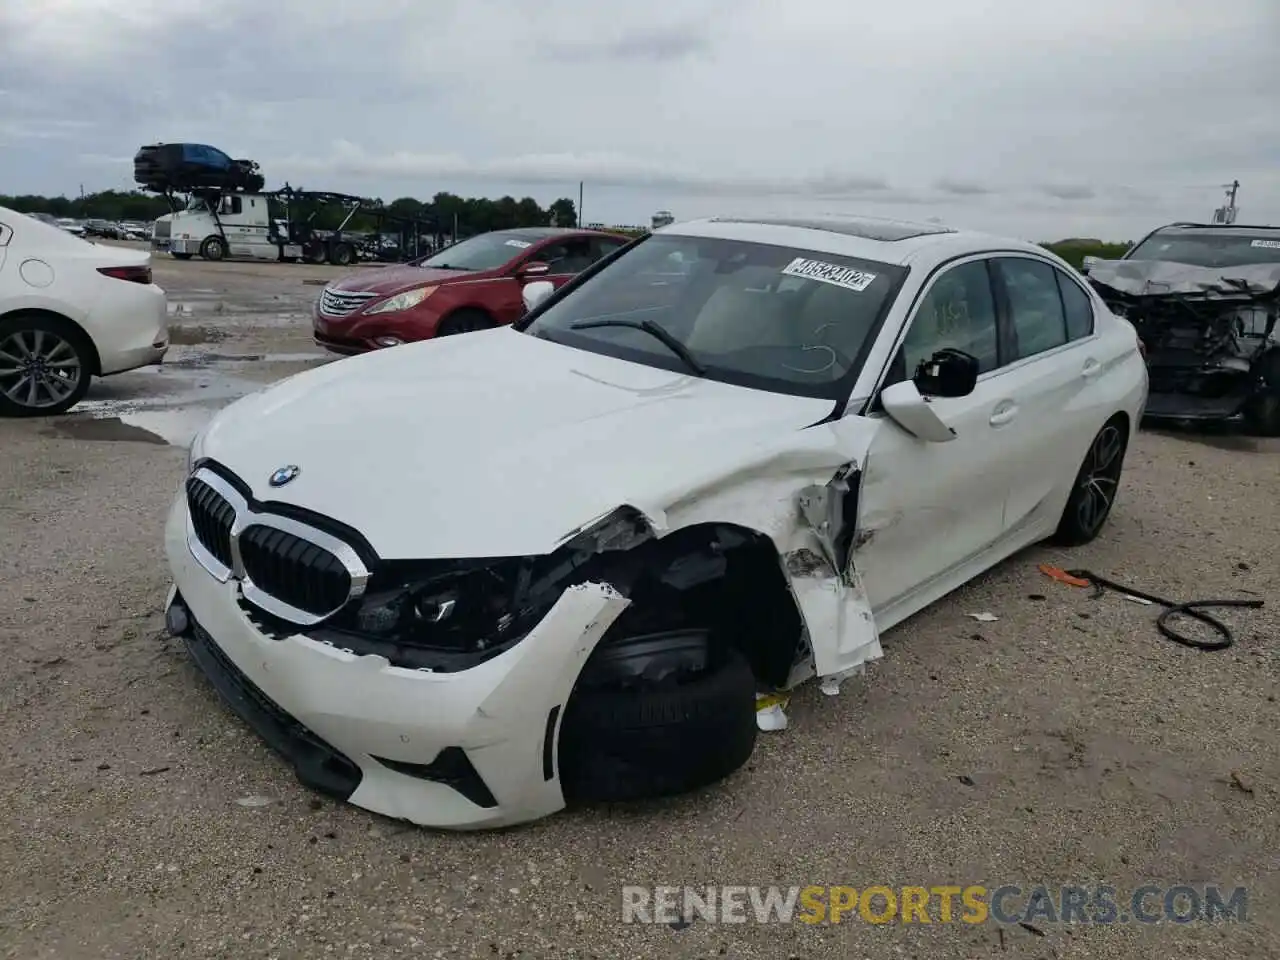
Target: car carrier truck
{"points": [[223, 212]]}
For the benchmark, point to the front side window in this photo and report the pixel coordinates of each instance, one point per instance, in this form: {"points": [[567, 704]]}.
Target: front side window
{"points": [[488, 251], [770, 317], [957, 312], [1035, 306]]}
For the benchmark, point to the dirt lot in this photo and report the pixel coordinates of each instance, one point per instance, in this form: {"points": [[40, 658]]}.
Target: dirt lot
{"points": [[1066, 742]]}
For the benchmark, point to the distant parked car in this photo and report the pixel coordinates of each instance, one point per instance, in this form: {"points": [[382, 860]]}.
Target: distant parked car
{"points": [[471, 285], [70, 310], [71, 226]]}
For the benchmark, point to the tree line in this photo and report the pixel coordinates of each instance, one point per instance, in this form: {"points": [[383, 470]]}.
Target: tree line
{"points": [[470, 214]]}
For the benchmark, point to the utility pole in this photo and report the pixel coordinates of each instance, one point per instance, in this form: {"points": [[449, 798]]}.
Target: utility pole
{"points": [[581, 222], [1227, 214]]}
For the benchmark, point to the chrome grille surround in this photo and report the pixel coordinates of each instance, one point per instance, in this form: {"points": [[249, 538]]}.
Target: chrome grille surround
{"points": [[342, 303], [244, 515]]}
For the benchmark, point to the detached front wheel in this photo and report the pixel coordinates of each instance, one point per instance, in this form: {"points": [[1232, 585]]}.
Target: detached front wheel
{"points": [[655, 738]]}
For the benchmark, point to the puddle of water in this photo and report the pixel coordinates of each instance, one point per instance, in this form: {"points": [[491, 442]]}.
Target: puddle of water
{"points": [[108, 429], [174, 427]]}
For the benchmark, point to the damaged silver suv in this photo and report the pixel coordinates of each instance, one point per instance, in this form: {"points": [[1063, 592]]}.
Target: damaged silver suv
{"points": [[1204, 300]]}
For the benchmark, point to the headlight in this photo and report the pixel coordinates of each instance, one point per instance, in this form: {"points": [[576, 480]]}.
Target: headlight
{"points": [[402, 301], [449, 614]]}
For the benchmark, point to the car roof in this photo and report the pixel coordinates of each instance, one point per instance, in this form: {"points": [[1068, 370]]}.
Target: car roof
{"points": [[1216, 229], [539, 233], [868, 238]]}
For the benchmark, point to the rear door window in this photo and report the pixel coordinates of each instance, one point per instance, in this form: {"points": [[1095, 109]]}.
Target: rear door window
{"points": [[1077, 306], [1035, 305]]}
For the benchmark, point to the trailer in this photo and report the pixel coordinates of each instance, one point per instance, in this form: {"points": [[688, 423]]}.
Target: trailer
{"points": [[215, 224]]}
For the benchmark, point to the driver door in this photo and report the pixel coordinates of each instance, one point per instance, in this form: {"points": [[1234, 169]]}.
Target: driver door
{"points": [[928, 509]]}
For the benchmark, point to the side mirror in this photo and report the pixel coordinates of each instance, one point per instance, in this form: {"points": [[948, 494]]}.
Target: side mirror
{"points": [[537, 292], [948, 373], [1088, 263], [535, 268]]}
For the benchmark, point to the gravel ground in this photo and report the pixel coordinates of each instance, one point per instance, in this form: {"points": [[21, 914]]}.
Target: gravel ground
{"points": [[1067, 742]]}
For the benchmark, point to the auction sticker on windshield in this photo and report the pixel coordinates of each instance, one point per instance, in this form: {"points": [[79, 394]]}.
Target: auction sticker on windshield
{"points": [[519, 244], [1267, 244], [832, 273]]}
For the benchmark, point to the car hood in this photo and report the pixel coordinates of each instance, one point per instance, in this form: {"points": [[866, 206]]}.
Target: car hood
{"points": [[388, 280], [1160, 278], [497, 443]]}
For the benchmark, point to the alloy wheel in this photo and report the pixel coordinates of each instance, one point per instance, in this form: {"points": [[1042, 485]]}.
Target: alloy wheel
{"points": [[1100, 478], [38, 368]]}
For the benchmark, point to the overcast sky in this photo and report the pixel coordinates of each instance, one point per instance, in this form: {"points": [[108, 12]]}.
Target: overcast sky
{"points": [[1102, 120]]}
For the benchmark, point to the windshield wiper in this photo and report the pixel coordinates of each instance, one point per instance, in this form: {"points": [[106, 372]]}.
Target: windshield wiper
{"points": [[654, 330], [445, 266]]}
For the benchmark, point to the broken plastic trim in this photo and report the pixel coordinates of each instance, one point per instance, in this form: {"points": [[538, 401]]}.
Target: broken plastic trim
{"points": [[452, 768], [450, 615]]}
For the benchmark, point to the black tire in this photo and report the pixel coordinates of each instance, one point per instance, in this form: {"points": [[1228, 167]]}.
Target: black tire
{"points": [[343, 255], [658, 740], [1094, 492], [316, 254], [181, 256], [213, 248], [464, 321], [1262, 411], [60, 342]]}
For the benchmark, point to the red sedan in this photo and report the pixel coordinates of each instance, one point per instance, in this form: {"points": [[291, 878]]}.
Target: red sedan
{"points": [[469, 286]]}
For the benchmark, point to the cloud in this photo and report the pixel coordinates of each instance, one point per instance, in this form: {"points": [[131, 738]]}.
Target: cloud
{"points": [[1118, 117], [348, 159], [961, 188], [1069, 191], [665, 44]]}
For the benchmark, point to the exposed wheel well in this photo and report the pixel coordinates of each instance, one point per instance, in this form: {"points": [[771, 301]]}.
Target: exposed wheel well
{"points": [[722, 577], [484, 311], [95, 363]]}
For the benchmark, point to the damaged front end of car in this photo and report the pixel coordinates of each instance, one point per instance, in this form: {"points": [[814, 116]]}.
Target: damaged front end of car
{"points": [[1209, 334]]}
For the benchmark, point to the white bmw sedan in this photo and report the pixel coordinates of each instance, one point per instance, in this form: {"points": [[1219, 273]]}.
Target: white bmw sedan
{"points": [[70, 310], [465, 581]]}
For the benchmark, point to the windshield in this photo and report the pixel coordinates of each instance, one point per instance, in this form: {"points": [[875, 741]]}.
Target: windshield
{"points": [[773, 318], [1205, 250], [195, 203], [489, 251]]}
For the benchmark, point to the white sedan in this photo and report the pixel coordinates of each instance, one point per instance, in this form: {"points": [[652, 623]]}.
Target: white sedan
{"points": [[70, 310], [464, 581]]}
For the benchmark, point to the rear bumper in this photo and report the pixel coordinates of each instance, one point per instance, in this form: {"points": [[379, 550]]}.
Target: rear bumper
{"points": [[132, 332]]}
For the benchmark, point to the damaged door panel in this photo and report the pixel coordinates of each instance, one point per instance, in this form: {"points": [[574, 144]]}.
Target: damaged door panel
{"points": [[956, 494]]}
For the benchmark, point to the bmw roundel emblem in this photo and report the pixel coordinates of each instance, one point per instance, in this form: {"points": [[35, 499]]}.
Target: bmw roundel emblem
{"points": [[284, 475]]}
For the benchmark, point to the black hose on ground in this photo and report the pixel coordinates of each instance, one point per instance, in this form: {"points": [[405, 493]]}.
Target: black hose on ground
{"points": [[1193, 609]]}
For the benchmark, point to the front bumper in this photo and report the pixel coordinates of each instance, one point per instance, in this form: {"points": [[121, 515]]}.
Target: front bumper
{"points": [[390, 739]]}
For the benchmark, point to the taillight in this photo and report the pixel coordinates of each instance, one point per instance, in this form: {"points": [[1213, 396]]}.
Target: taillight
{"points": [[132, 274]]}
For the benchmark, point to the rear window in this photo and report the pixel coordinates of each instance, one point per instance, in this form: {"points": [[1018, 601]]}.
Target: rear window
{"points": [[1210, 250]]}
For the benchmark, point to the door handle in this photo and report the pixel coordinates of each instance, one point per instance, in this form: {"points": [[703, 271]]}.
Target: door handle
{"points": [[1003, 413], [1090, 369]]}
